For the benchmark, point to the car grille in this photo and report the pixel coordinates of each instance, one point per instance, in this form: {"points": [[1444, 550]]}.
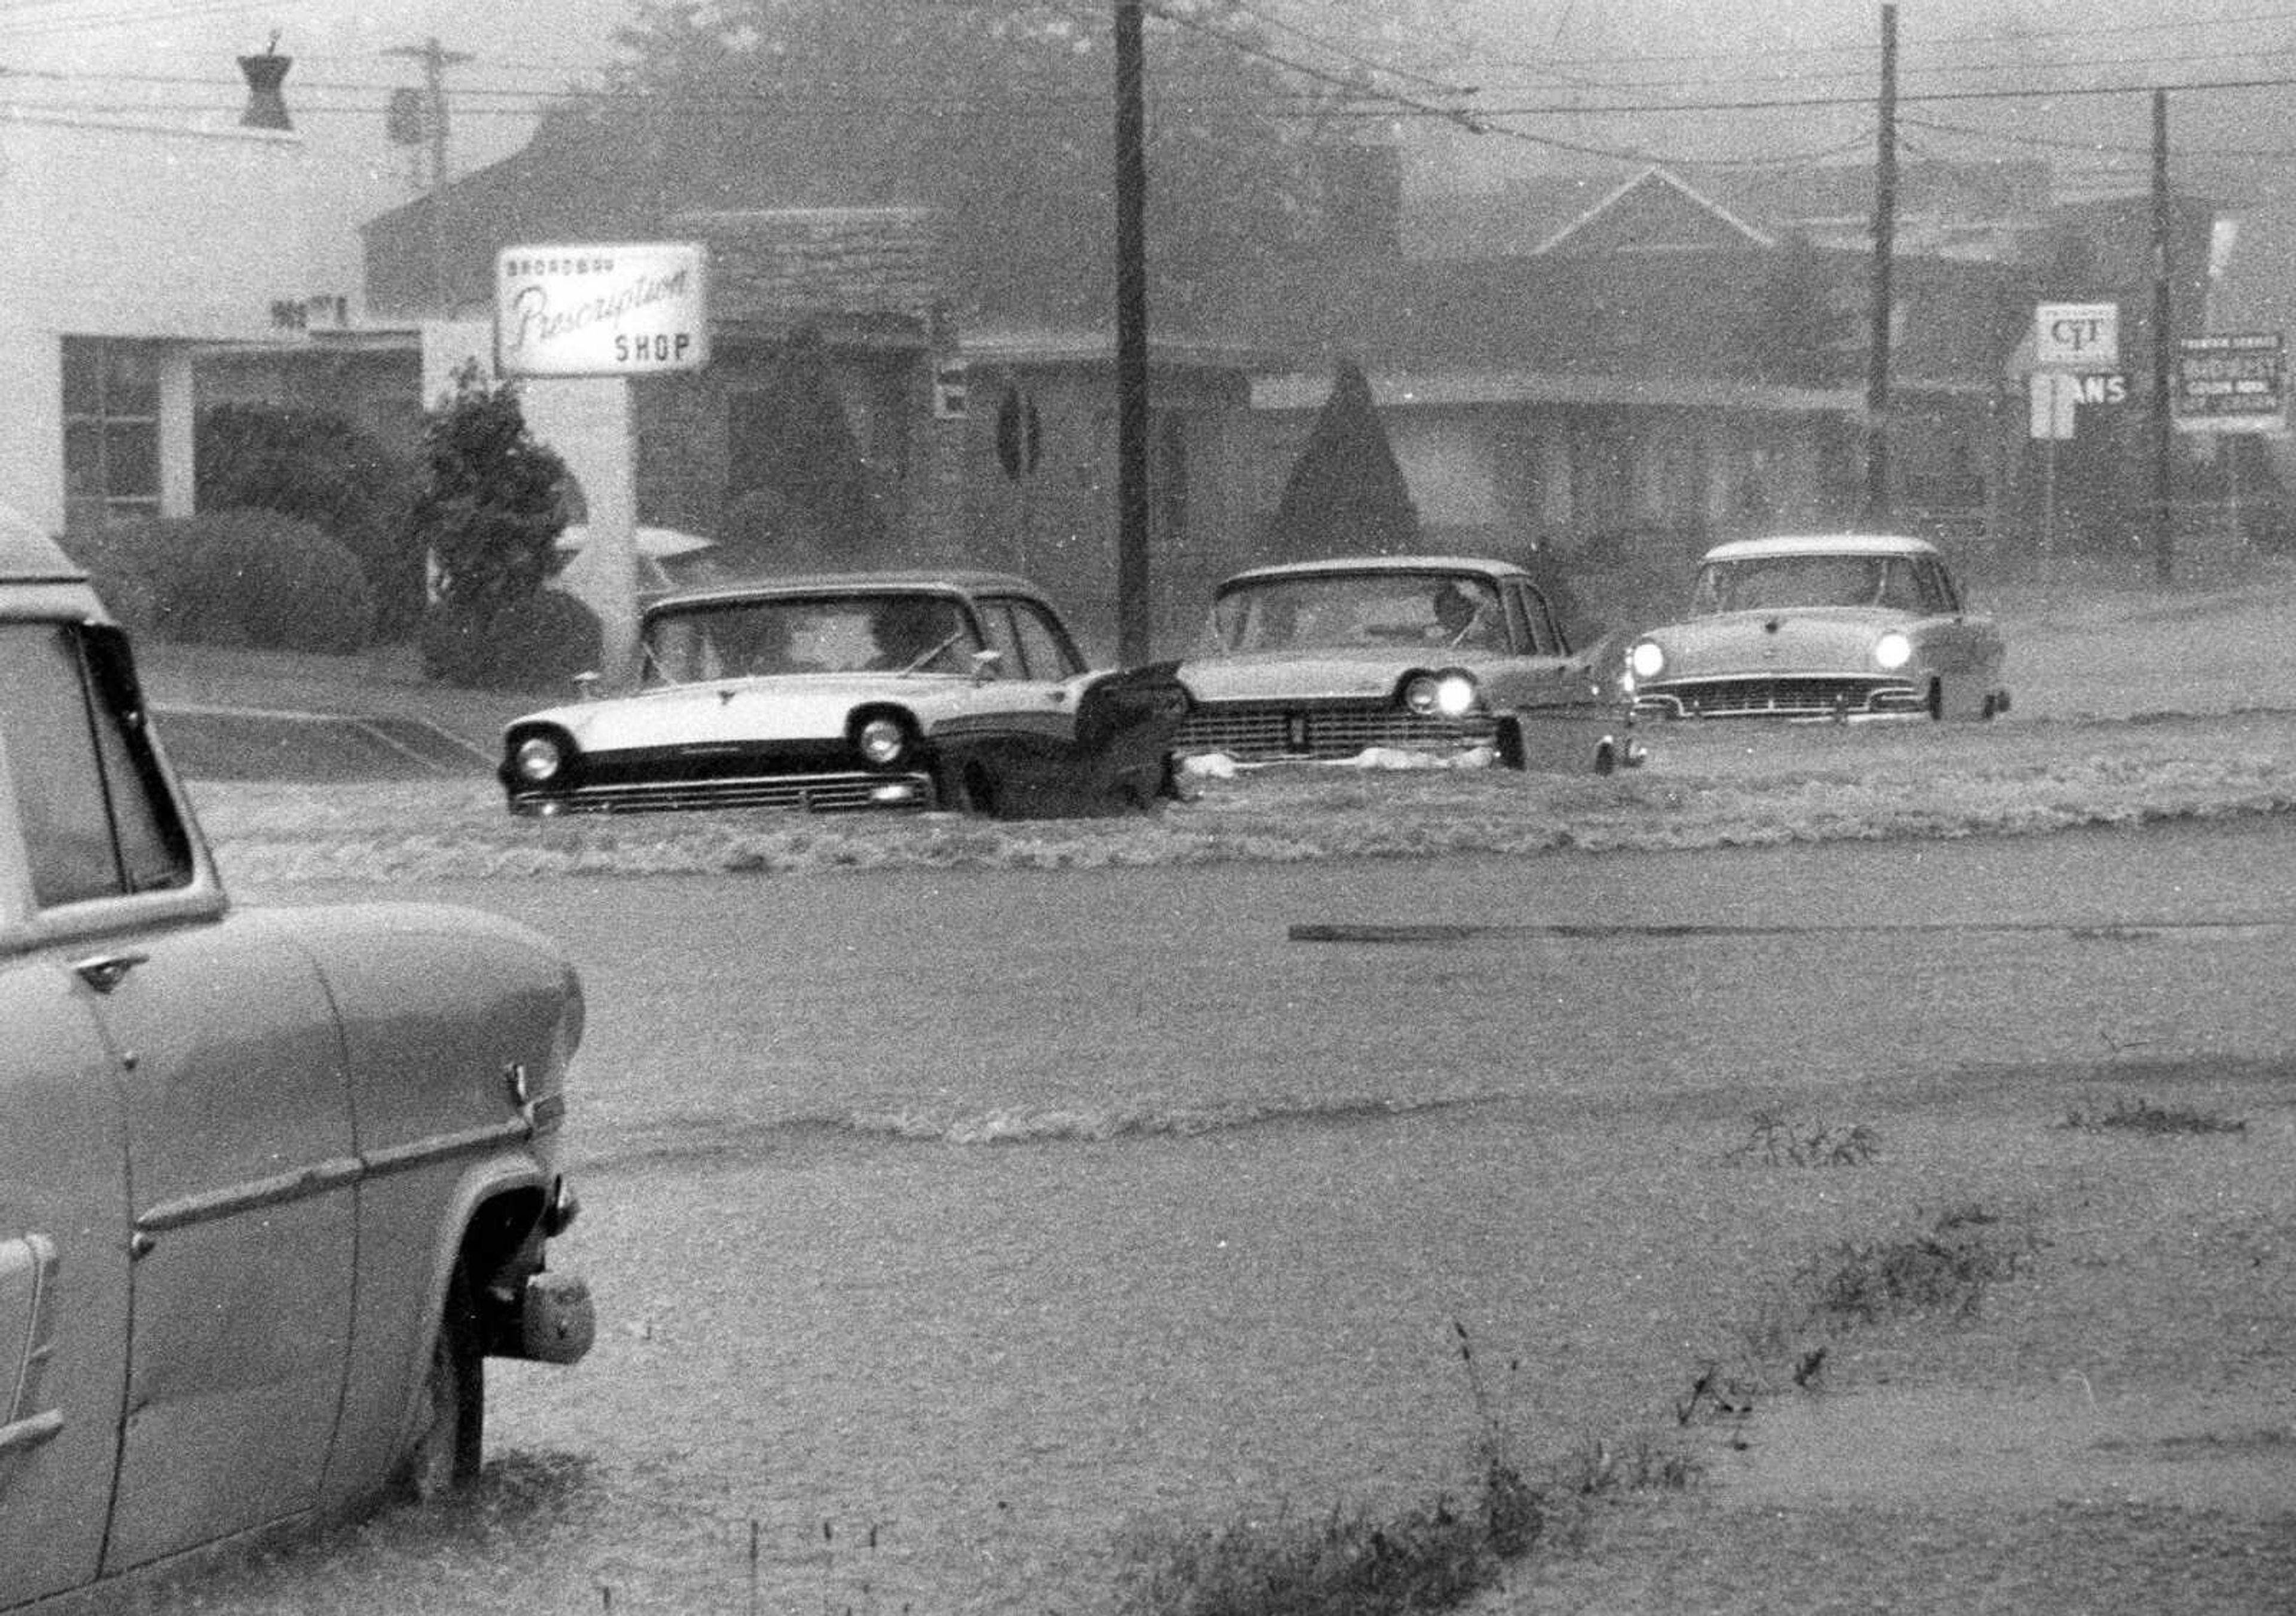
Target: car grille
{"points": [[1813, 697], [807, 793], [1255, 732]]}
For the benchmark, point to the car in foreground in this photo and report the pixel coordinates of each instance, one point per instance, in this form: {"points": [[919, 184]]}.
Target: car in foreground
{"points": [[274, 1183], [1451, 658], [1829, 626], [958, 691]]}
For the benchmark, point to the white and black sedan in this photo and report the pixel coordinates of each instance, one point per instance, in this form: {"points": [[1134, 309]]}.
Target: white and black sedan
{"points": [[1831, 626], [1452, 659], [898, 691]]}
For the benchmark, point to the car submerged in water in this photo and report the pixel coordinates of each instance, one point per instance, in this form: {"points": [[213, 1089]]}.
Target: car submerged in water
{"points": [[1844, 628], [956, 691], [274, 1183], [1451, 659]]}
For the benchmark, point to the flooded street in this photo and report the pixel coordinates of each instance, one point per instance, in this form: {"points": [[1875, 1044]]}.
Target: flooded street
{"points": [[948, 1231]]}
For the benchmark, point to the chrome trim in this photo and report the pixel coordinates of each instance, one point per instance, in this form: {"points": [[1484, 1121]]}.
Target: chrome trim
{"points": [[323, 1178], [20, 1436]]}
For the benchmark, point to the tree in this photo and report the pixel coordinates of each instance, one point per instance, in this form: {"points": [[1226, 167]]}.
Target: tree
{"points": [[489, 518], [995, 113], [1346, 495]]}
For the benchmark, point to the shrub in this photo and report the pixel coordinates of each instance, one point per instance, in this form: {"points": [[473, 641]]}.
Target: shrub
{"points": [[494, 505], [546, 639], [234, 578], [314, 464], [138, 567], [256, 577]]}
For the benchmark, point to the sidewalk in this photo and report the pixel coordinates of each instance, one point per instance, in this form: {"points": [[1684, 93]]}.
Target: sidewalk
{"points": [[232, 714]]}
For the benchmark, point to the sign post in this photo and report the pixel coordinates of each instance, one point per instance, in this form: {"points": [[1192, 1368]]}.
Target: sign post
{"points": [[2076, 361], [607, 311]]}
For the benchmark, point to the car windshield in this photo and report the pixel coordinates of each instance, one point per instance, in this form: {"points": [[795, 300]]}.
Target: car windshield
{"points": [[1345, 610], [877, 632], [1770, 582]]}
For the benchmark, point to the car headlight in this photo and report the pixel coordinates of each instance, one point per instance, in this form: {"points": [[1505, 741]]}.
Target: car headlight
{"points": [[537, 759], [1892, 652], [1448, 695], [882, 741], [1646, 661]]}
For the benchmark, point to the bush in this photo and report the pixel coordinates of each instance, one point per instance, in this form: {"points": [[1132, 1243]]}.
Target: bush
{"points": [[255, 578], [232, 578], [138, 567], [544, 640], [316, 465]]}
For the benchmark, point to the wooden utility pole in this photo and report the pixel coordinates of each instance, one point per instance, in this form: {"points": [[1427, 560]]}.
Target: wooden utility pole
{"points": [[436, 58], [2164, 540], [1133, 622], [1885, 234]]}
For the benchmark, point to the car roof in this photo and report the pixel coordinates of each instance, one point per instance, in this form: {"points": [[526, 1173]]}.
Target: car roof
{"points": [[29, 556], [1380, 563], [969, 581], [1821, 543]]}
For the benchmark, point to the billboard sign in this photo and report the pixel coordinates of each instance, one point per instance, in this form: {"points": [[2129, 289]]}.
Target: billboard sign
{"points": [[616, 309], [2234, 382], [2077, 336]]}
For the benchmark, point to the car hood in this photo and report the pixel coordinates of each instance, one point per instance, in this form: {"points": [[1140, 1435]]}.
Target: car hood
{"points": [[787, 708], [1767, 642], [1369, 670]]}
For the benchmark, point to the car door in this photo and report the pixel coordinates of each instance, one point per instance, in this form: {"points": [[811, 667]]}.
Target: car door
{"points": [[1541, 674], [63, 1159], [63, 1278], [1036, 661]]}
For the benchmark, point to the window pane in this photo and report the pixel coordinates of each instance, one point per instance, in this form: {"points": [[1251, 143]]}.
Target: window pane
{"points": [[83, 362], [1042, 646], [131, 461], [52, 764], [131, 380]]}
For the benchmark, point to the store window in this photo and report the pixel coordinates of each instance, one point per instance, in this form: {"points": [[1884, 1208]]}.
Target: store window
{"points": [[111, 430]]}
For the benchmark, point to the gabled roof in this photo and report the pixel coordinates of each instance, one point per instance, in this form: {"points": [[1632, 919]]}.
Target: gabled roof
{"points": [[1655, 211]]}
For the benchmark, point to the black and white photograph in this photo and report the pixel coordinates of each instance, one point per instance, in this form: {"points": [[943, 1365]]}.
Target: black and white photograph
{"points": [[1147, 808]]}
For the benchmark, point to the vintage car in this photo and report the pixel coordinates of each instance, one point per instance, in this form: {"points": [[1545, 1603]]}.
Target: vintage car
{"points": [[274, 1183], [1443, 656], [1835, 627], [957, 691]]}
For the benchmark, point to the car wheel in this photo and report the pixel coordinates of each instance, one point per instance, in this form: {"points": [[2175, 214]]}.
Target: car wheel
{"points": [[445, 1428]]}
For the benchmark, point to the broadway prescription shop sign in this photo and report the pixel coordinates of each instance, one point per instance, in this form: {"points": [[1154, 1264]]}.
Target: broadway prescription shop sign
{"points": [[602, 309]]}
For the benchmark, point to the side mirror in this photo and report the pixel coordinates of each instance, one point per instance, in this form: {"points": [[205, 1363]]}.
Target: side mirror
{"points": [[985, 664], [586, 684]]}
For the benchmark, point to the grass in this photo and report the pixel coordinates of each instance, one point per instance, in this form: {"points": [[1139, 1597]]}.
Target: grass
{"points": [[1436, 1556], [1776, 1140], [2140, 1116]]}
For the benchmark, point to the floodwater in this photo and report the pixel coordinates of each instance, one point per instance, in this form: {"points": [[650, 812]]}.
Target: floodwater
{"points": [[949, 1235]]}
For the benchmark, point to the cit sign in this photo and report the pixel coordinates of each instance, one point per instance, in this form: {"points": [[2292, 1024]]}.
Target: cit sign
{"points": [[603, 309], [2077, 336]]}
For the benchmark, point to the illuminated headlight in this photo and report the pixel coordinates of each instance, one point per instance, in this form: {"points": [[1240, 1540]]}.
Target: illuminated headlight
{"points": [[1447, 695], [882, 742], [1646, 661], [1892, 652], [537, 759]]}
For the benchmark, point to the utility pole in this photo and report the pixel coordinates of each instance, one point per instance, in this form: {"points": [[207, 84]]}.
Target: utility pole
{"points": [[436, 58], [1134, 625], [1885, 234], [2164, 563]]}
